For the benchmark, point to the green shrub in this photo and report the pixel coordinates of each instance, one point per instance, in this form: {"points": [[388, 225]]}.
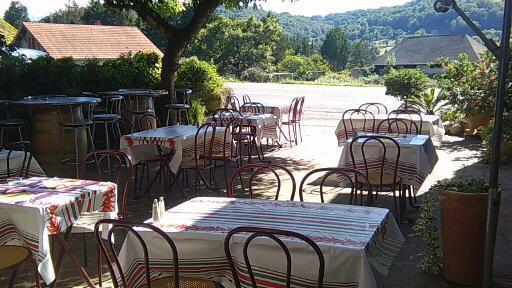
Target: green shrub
{"points": [[196, 112], [405, 83], [203, 79], [298, 65], [255, 74]]}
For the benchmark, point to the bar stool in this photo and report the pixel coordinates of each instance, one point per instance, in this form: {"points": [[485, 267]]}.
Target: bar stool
{"points": [[182, 105], [138, 101], [108, 113], [75, 117], [8, 123]]}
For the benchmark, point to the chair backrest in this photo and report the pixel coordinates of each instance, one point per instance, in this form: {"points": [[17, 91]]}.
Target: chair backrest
{"points": [[246, 98], [203, 145], [409, 115], [146, 121], [232, 102], [375, 107], [121, 127], [379, 163], [128, 228], [110, 165], [223, 116], [252, 107], [183, 96], [276, 235], [76, 114], [301, 107], [255, 170], [293, 114], [400, 126], [361, 115], [410, 106], [24, 147], [111, 104], [232, 136], [347, 175]]}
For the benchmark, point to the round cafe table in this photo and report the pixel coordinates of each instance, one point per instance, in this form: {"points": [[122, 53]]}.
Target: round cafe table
{"points": [[46, 132], [137, 101]]}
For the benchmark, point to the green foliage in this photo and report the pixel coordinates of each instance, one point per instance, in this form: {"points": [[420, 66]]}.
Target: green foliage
{"points": [[336, 49], [303, 68], [471, 86], [406, 83], [425, 227], [462, 185], [45, 75], [452, 115], [196, 113], [237, 45], [203, 79], [430, 101], [362, 54], [255, 74], [16, 13], [506, 132]]}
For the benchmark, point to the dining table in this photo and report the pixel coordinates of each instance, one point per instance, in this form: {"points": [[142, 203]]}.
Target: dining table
{"points": [[418, 157], [16, 161], [355, 242], [46, 132], [266, 125], [180, 139], [32, 209], [431, 125]]}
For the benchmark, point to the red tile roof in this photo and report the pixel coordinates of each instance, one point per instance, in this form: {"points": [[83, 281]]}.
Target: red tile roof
{"points": [[89, 41]]}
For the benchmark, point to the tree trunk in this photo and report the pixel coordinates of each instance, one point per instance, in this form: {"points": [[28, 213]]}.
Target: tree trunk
{"points": [[170, 63]]}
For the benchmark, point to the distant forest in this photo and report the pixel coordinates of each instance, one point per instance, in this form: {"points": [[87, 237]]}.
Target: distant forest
{"points": [[392, 23]]}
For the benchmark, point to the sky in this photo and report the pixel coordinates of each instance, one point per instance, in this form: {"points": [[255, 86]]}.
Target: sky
{"points": [[40, 8]]}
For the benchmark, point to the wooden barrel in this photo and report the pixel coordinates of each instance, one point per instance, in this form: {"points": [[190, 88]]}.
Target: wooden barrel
{"points": [[46, 135]]}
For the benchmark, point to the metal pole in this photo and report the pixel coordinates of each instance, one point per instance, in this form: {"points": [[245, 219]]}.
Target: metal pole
{"points": [[494, 196]]}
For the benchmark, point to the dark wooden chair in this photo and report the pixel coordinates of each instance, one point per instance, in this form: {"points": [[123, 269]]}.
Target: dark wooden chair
{"points": [[381, 170], [350, 115], [13, 257], [276, 236], [253, 108], [292, 121], [230, 154], [180, 108], [109, 165], [224, 116], [374, 107], [121, 127], [106, 114], [345, 175], [117, 273], [203, 156], [255, 170], [399, 126], [246, 98], [146, 121], [232, 102], [24, 147], [409, 115]]}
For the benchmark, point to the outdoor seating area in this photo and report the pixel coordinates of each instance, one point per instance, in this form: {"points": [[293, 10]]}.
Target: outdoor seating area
{"points": [[158, 150]]}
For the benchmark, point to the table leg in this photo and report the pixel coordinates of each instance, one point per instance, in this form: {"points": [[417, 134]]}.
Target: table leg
{"points": [[65, 249]]}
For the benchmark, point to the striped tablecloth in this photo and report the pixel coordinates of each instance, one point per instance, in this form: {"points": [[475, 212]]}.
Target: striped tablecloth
{"points": [[352, 238], [181, 138], [34, 208], [15, 163], [418, 157], [432, 126], [277, 111], [267, 125]]}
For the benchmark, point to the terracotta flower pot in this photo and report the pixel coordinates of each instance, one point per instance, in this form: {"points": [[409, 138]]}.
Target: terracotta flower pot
{"points": [[463, 219], [476, 120]]}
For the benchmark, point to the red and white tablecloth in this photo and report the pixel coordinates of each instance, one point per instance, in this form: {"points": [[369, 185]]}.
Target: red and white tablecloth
{"points": [[418, 157], [277, 111], [181, 138], [352, 238], [267, 125], [34, 208], [15, 163], [431, 126]]}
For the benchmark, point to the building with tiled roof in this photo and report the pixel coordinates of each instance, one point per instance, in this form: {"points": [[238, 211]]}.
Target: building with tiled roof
{"points": [[83, 41]]}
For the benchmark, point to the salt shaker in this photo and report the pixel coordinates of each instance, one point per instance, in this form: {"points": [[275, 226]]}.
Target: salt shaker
{"points": [[155, 213], [161, 207]]}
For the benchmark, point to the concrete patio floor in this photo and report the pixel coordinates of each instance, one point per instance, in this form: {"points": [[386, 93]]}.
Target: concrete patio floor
{"points": [[457, 157]]}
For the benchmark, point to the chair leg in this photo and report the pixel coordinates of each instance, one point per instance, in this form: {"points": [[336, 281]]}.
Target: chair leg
{"points": [[12, 279], [167, 119], [100, 268], [77, 153], [20, 134], [186, 116], [85, 249], [90, 138], [36, 274], [1, 136], [300, 131]]}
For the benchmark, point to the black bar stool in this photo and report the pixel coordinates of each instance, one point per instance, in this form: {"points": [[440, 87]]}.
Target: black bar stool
{"points": [[75, 117], [182, 105], [8, 123], [108, 112]]}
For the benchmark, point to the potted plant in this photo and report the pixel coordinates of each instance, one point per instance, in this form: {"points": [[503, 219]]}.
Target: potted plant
{"points": [[506, 138], [463, 207], [453, 121], [471, 87]]}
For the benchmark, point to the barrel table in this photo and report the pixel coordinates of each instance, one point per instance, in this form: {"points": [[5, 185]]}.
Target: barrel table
{"points": [[46, 132], [136, 101]]}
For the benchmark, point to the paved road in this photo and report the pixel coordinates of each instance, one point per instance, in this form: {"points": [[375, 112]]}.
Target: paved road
{"points": [[321, 101]]}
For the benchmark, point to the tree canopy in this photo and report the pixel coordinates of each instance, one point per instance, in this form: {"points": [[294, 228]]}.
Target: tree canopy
{"points": [[336, 49], [16, 13]]}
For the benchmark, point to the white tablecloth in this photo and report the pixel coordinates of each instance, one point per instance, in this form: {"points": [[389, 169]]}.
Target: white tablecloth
{"points": [[30, 212], [418, 157], [143, 145], [352, 238], [432, 126], [267, 125], [15, 163]]}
